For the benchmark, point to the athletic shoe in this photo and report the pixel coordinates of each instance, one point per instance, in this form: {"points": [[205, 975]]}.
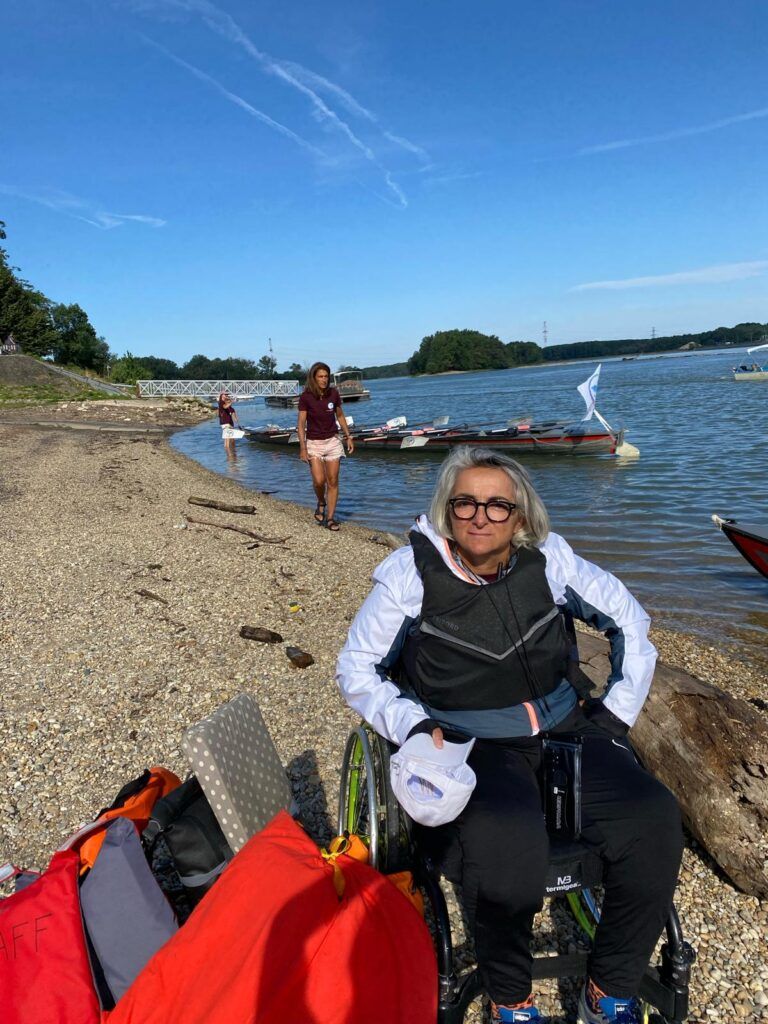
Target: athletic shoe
{"points": [[600, 1009], [522, 1015]]}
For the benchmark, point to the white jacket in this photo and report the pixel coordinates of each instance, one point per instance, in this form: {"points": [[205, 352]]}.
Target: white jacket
{"points": [[377, 634]]}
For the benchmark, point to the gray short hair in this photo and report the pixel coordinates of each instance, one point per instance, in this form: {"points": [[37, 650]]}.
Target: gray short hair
{"points": [[534, 527]]}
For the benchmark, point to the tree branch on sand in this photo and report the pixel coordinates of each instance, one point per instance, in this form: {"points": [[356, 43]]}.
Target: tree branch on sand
{"points": [[238, 529]]}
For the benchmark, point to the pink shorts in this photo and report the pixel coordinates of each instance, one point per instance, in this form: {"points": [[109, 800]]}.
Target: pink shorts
{"points": [[329, 449]]}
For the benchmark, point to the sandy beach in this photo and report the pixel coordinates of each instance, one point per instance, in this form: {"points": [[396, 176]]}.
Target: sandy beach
{"points": [[119, 627]]}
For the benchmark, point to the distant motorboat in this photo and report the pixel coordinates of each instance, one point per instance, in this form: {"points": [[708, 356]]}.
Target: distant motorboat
{"points": [[755, 371], [749, 541]]}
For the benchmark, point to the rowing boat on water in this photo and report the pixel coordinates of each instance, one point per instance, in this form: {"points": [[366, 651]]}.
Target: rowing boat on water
{"points": [[749, 541], [524, 434], [516, 437]]}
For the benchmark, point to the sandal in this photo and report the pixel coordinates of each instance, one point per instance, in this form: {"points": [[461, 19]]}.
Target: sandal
{"points": [[320, 512], [333, 525]]}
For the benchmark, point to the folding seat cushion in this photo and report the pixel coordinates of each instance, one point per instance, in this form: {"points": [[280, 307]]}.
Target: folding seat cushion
{"points": [[238, 768]]}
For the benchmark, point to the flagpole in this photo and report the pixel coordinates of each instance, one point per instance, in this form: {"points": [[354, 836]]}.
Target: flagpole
{"points": [[605, 422]]}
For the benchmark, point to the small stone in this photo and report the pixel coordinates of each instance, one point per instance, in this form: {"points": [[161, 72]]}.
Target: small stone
{"points": [[299, 658]]}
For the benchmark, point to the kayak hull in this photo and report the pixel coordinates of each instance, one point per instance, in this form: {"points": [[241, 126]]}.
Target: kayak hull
{"points": [[750, 541]]}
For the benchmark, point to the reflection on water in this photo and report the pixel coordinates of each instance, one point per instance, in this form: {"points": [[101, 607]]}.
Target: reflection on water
{"points": [[702, 443]]}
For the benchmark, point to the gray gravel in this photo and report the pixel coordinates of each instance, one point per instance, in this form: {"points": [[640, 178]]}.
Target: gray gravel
{"points": [[98, 682]]}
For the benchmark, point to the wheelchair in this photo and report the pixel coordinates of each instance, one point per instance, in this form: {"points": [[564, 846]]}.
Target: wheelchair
{"points": [[369, 809]]}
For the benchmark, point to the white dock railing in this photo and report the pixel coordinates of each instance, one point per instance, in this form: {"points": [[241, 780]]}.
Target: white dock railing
{"points": [[212, 388]]}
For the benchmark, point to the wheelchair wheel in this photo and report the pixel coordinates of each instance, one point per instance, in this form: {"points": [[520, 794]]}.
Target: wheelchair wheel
{"points": [[367, 805]]}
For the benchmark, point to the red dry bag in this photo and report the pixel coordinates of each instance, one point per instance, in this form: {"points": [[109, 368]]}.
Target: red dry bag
{"points": [[276, 940]]}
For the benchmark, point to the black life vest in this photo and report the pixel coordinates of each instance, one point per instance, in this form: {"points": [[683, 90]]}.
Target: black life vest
{"points": [[481, 647]]}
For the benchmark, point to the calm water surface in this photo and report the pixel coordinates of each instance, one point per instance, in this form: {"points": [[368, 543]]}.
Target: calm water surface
{"points": [[704, 449]]}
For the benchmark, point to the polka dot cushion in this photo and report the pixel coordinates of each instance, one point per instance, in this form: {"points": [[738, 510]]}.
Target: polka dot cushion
{"points": [[238, 768]]}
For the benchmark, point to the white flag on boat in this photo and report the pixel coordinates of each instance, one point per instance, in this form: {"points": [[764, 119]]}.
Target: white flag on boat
{"points": [[588, 391]]}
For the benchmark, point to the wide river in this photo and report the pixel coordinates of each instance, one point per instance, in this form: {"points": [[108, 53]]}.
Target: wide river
{"points": [[704, 449]]}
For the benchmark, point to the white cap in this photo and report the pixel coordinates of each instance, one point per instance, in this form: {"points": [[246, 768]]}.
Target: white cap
{"points": [[432, 785]]}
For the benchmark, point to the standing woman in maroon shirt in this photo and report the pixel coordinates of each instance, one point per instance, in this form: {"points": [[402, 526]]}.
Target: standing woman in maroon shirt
{"points": [[227, 418], [319, 441]]}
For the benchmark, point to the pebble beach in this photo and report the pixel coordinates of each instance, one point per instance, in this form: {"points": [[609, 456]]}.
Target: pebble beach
{"points": [[119, 627]]}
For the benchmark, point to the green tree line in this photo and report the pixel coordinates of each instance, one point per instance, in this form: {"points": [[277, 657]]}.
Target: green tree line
{"points": [[470, 350], [741, 334], [63, 332], [130, 368]]}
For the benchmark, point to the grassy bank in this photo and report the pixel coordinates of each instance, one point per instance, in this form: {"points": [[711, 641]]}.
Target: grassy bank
{"points": [[25, 381]]}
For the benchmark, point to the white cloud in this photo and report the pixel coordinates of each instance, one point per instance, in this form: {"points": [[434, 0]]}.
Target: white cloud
{"points": [[238, 100], [719, 274], [353, 106], [81, 209], [679, 133], [293, 75]]}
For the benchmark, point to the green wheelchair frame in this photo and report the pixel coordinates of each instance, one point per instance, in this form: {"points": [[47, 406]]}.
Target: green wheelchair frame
{"points": [[369, 809]]}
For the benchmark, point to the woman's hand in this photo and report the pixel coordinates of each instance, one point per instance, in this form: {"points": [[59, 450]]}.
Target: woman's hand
{"points": [[437, 738], [350, 444], [303, 453]]}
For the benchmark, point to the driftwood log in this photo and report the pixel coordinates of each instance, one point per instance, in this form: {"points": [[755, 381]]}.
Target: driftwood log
{"points": [[238, 529], [264, 636], [222, 506], [711, 749]]}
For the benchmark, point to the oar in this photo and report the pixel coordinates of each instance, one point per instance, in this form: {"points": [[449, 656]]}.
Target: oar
{"points": [[415, 442], [393, 424], [503, 423], [628, 451], [401, 422]]}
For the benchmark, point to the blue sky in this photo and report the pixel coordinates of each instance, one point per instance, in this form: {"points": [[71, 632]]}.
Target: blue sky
{"points": [[347, 177]]}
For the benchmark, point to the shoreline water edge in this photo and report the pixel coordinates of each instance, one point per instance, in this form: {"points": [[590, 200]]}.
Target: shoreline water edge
{"points": [[119, 627]]}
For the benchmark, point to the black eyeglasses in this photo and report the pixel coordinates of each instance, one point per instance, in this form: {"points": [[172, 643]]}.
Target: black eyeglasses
{"points": [[497, 510]]}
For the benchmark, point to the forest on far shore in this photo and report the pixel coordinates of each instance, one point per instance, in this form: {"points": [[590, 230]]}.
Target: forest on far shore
{"points": [[62, 332]]}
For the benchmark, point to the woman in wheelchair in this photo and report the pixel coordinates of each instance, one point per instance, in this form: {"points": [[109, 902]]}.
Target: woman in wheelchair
{"points": [[461, 638]]}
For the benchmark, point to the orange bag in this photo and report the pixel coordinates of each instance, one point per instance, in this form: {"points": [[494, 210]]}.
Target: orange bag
{"points": [[134, 801], [273, 942]]}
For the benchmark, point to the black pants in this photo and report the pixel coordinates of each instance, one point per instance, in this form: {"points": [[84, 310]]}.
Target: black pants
{"points": [[499, 849]]}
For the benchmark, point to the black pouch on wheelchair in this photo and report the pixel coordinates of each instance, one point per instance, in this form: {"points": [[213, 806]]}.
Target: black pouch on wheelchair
{"points": [[561, 785]]}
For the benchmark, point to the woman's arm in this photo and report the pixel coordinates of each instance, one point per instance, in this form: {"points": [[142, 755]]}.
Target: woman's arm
{"points": [[345, 429], [602, 600], [373, 646], [301, 430]]}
